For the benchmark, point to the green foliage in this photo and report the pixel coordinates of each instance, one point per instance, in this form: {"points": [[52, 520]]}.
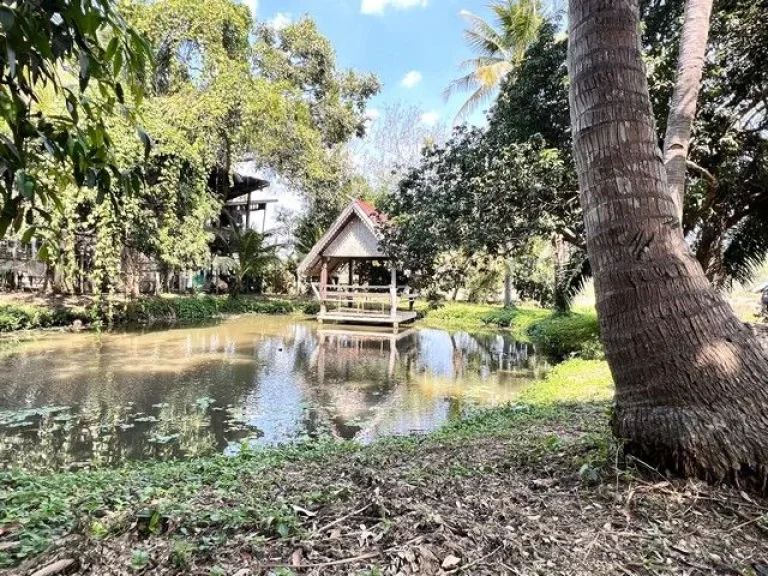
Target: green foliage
{"points": [[726, 198], [219, 94], [196, 308], [85, 58], [139, 560], [561, 335], [476, 199], [27, 317], [253, 254], [517, 319], [300, 55]]}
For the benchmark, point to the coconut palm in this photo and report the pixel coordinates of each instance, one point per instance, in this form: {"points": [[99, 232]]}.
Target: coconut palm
{"points": [[252, 255], [500, 48]]}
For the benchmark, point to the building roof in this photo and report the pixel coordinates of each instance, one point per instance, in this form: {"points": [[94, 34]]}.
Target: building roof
{"points": [[354, 234]]}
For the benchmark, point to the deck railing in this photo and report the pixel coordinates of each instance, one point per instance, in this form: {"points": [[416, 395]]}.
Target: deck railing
{"points": [[363, 300]]}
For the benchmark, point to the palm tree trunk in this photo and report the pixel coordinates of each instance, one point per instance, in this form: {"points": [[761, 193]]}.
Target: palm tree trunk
{"points": [[691, 380], [682, 109]]}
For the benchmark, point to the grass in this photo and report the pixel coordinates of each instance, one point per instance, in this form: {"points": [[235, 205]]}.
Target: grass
{"points": [[231, 494]]}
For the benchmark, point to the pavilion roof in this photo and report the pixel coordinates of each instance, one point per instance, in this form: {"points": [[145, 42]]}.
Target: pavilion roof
{"points": [[358, 210]]}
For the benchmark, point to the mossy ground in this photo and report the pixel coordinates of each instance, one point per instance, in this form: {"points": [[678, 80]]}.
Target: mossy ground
{"points": [[534, 488]]}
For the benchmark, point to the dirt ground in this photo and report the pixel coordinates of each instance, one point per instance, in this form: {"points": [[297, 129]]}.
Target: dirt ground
{"points": [[548, 498]]}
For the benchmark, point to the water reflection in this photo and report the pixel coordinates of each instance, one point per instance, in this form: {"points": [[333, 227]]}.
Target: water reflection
{"points": [[75, 399]]}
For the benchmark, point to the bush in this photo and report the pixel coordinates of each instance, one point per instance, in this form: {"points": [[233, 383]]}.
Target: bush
{"points": [[562, 335], [196, 308], [311, 308]]}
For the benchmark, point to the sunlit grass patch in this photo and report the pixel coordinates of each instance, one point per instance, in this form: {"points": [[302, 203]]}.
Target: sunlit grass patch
{"points": [[574, 381]]}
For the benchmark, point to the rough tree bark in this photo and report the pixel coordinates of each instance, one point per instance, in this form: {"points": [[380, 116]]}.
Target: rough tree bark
{"points": [[682, 109], [691, 380]]}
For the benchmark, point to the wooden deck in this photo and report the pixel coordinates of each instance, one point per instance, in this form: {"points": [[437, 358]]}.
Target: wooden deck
{"points": [[353, 317]]}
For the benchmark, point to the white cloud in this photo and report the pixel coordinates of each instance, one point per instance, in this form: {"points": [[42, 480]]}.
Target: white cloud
{"points": [[430, 118], [280, 20], [253, 5], [379, 6], [411, 79]]}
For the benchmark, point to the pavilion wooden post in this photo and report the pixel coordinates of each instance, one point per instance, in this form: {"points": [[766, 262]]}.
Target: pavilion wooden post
{"points": [[323, 288], [393, 292]]}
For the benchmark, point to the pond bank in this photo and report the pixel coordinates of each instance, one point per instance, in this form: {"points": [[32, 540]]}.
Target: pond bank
{"points": [[30, 312], [531, 488], [557, 336]]}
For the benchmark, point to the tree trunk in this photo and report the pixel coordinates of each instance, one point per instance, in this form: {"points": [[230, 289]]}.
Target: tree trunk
{"points": [[682, 109], [691, 380], [507, 288]]}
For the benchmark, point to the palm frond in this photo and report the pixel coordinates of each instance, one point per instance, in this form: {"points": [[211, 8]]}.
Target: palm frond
{"points": [[501, 48], [463, 84], [481, 36], [479, 96], [577, 273], [747, 249]]}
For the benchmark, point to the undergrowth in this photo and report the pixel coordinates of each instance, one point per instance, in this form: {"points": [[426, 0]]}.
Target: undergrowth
{"points": [[27, 317], [195, 308]]}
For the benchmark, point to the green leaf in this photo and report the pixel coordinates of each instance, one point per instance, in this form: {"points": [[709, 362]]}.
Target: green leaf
{"points": [[28, 234], [25, 185], [146, 140], [7, 18]]}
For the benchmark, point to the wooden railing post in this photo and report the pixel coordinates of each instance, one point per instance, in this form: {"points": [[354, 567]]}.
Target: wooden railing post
{"points": [[393, 291], [323, 288]]}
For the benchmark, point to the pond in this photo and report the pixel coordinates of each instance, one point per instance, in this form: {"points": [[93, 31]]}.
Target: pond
{"points": [[68, 400]]}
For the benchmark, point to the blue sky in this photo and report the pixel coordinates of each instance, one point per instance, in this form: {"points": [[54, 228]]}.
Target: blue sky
{"points": [[413, 46]]}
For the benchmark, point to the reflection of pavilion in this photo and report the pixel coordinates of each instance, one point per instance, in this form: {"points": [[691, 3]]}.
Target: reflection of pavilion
{"points": [[358, 376], [351, 347]]}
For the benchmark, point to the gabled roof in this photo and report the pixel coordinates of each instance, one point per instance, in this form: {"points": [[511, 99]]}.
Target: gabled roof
{"points": [[359, 209]]}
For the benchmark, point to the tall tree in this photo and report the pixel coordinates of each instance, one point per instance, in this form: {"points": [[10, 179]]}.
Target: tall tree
{"points": [[500, 47], [691, 380], [682, 110]]}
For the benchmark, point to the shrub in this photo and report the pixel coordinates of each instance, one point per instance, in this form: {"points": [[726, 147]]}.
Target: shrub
{"points": [[196, 308], [562, 335], [26, 317], [311, 308]]}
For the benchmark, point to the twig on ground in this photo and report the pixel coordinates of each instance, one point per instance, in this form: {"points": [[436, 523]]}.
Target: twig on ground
{"points": [[474, 562], [341, 519], [351, 560]]}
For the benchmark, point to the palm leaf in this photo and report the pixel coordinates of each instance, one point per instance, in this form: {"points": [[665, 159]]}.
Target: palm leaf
{"points": [[500, 48], [747, 249], [577, 274]]}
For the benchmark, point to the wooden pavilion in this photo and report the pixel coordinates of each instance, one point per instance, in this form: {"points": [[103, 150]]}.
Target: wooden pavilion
{"points": [[330, 268]]}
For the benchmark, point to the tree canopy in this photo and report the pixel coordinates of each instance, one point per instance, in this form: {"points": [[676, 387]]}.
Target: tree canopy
{"points": [[85, 56]]}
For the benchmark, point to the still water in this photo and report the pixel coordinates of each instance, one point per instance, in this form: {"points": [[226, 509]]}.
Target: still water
{"points": [[67, 399]]}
